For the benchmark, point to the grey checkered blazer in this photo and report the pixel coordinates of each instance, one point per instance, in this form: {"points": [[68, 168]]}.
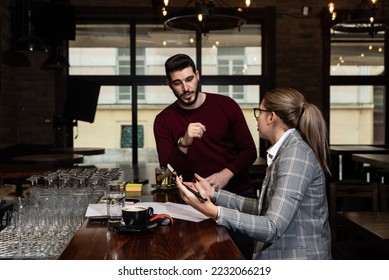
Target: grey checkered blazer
{"points": [[290, 218]]}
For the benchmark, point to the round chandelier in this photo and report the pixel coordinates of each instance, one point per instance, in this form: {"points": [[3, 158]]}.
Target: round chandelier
{"points": [[368, 17], [204, 16]]}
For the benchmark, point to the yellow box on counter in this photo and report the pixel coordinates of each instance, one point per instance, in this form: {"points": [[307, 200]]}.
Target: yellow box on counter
{"points": [[132, 189]]}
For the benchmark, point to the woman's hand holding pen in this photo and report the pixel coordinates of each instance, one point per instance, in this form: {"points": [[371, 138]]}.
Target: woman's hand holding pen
{"points": [[205, 189]]}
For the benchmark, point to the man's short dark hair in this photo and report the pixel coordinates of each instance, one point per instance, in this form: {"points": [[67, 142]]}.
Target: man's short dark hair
{"points": [[178, 62]]}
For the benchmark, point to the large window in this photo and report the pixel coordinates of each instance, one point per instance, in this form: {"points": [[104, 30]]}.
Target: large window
{"points": [[102, 52], [357, 91], [357, 115], [354, 57]]}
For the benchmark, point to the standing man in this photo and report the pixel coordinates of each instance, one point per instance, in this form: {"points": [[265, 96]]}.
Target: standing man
{"points": [[203, 133]]}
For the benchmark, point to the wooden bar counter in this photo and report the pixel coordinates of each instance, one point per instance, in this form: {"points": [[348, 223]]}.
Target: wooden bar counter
{"points": [[183, 240]]}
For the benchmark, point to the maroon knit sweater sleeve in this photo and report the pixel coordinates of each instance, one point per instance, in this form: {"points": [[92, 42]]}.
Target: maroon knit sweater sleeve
{"points": [[166, 134]]}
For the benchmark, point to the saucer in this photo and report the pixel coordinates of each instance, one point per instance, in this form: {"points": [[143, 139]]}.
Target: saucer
{"points": [[121, 227], [133, 199]]}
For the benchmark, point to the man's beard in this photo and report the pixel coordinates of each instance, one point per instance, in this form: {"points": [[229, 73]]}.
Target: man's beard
{"points": [[187, 104]]}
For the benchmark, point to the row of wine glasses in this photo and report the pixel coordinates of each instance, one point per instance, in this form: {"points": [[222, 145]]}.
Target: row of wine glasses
{"points": [[43, 223], [76, 177], [42, 229]]}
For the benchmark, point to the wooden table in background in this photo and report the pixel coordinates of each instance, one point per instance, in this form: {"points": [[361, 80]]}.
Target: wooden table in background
{"points": [[378, 160], [87, 151], [374, 226], [342, 165], [59, 160], [18, 173], [48, 161], [258, 168]]}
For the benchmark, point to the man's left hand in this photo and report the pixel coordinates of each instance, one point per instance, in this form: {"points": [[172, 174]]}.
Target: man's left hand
{"points": [[220, 179]]}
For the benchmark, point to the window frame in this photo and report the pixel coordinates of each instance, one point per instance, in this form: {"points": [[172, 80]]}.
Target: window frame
{"points": [[266, 17], [360, 80]]}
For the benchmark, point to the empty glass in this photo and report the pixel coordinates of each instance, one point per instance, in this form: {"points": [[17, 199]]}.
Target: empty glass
{"points": [[116, 195]]}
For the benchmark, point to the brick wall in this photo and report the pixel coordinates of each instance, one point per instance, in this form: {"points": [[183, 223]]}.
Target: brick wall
{"points": [[26, 92], [7, 102]]}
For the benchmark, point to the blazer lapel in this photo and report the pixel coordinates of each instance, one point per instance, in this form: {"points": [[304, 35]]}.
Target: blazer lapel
{"points": [[262, 205], [264, 188]]}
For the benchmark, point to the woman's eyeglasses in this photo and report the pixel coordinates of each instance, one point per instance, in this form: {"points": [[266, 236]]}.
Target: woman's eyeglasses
{"points": [[257, 111]]}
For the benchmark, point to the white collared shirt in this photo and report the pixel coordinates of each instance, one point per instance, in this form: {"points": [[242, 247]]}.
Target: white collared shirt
{"points": [[273, 150]]}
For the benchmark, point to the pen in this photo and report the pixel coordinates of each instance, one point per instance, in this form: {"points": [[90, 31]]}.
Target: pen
{"points": [[187, 187]]}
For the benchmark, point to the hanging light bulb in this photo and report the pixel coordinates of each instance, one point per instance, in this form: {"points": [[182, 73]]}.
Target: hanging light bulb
{"points": [[248, 2], [200, 17], [166, 2], [164, 12], [331, 7]]}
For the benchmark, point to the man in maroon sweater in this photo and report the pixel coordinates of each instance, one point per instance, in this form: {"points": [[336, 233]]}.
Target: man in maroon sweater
{"points": [[203, 132]]}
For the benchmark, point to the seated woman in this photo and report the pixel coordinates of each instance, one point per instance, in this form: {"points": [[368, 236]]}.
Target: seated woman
{"points": [[290, 218]]}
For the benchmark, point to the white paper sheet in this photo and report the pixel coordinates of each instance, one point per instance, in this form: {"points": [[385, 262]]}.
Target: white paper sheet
{"points": [[96, 210], [175, 210], [99, 210]]}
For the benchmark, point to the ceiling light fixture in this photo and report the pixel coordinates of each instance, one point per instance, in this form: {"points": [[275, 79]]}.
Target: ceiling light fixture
{"points": [[368, 17], [205, 16], [56, 60], [29, 42]]}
